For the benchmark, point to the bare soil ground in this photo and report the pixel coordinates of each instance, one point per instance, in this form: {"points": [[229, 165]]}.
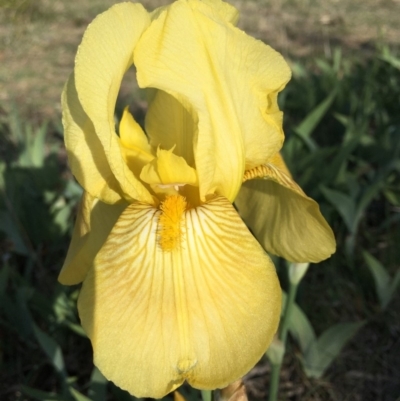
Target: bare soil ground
{"points": [[38, 38]]}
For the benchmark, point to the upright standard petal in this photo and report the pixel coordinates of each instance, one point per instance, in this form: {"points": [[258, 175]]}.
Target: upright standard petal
{"points": [[93, 223], [231, 81], [202, 308], [225, 10], [172, 123], [86, 156], [102, 59], [284, 220]]}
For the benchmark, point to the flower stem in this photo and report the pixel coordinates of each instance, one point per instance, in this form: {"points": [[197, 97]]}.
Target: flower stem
{"points": [[207, 395], [274, 382], [282, 335], [291, 296]]}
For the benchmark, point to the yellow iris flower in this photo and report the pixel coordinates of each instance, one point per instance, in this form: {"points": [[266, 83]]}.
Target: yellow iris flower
{"points": [[175, 287]]}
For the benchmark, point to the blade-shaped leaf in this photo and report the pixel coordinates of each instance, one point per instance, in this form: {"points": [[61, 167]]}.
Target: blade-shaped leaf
{"points": [[344, 205], [52, 350], [307, 126], [41, 395], [299, 325], [276, 351], [393, 61], [37, 149], [98, 386], [4, 276], [78, 396], [327, 347], [381, 278], [395, 284], [13, 231], [300, 328]]}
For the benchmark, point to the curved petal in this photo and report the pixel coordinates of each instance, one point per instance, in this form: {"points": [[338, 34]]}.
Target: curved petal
{"points": [[135, 146], [225, 10], [277, 161], [171, 123], [283, 219], [231, 81], [131, 133], [102, 59], [93, 223], [204, 311], [86, 156], [168, 169]]}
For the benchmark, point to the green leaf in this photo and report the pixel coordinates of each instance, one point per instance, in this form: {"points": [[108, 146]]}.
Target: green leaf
{"points": [[381, 277], [78, 396], [41, 395], [37, 149], [62, 218], [276, 352], [395, 284], [52, 350], [393, 61], [345, 206], [17, 313], [384, 285], [374, 188], [300, 328], [307, 126], [4, 276], [76, 328], [2, 171], [339, 161], [121, 395], [337, 59], [98, 386], [11, 228], [327, 347]]}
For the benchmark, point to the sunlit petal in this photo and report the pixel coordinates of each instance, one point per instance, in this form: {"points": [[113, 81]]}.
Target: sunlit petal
{"points": [[284, 220], [131, 134], [102, 59], [204, 312], [278, 162], [168, 169], [172, 123], [94, 222], [86, 155], [230, 80], [225, 10], [135, 148]]}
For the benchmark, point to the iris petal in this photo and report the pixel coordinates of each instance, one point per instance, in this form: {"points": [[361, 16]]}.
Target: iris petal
{"points": [[103, 57], [204, 312], [94, 222], [168, 169], [135, 146], [225, 10], [132, 135], [230, 80], [86, 155], [284, 220], [172, 123]]}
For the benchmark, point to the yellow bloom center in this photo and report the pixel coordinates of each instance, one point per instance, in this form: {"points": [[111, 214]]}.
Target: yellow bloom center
{"points": [[170, 222]]}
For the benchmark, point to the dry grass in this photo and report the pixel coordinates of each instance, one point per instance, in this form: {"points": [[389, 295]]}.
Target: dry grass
{"points": [[38, 38]]}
